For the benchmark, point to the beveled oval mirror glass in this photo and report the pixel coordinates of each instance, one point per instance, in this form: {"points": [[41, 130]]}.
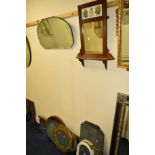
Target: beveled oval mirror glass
{"points": [[55, 33], [28, 53]]}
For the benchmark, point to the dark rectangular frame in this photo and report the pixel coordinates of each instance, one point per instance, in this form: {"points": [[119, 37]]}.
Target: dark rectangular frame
{"points": [[122, 102]]}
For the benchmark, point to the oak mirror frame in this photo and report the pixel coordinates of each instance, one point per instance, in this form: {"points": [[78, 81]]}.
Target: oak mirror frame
{"points": [[93, 32], [122, 20]]}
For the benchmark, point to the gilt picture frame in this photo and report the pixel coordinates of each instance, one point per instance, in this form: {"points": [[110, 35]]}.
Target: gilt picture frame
{"points": [[122, 30]]}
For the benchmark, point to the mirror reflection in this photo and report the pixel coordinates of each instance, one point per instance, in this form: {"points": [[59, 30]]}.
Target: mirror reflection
{"points": [[55, 33], [93, 40]]}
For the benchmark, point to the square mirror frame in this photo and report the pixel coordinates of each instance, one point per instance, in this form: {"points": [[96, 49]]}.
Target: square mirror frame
{"points": [[104, 55]]}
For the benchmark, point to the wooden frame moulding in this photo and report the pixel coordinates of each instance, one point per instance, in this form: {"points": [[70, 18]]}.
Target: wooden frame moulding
{"points": [[69, 14], [119, 32]]}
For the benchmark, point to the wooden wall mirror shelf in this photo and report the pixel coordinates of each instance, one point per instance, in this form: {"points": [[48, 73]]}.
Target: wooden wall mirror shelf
{"points": [[93, 32]]}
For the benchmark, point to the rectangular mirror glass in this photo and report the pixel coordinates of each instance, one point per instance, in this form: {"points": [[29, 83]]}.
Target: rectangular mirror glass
{"points": [[93, 40]]}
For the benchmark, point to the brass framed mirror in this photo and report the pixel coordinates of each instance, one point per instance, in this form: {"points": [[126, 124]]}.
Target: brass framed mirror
{"points": [[120, 133], [122, 20]]}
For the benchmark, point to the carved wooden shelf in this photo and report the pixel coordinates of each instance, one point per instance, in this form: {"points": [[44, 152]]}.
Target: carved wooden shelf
{"points": [[97, 57]]}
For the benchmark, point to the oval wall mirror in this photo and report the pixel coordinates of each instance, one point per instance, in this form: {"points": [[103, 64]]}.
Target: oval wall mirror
{"points": [[55, 33], [28, 53]]}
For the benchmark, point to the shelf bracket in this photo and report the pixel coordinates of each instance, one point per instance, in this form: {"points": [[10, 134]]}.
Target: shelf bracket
{"points": [[105, 63], [82, 62]]}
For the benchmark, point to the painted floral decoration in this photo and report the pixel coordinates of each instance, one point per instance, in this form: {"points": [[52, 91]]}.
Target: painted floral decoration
{"points": [[98, 10], [85, 13], [91, 12]]}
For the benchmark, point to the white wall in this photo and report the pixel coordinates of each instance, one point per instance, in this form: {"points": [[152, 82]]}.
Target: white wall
{"points": [[60, 85]]}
